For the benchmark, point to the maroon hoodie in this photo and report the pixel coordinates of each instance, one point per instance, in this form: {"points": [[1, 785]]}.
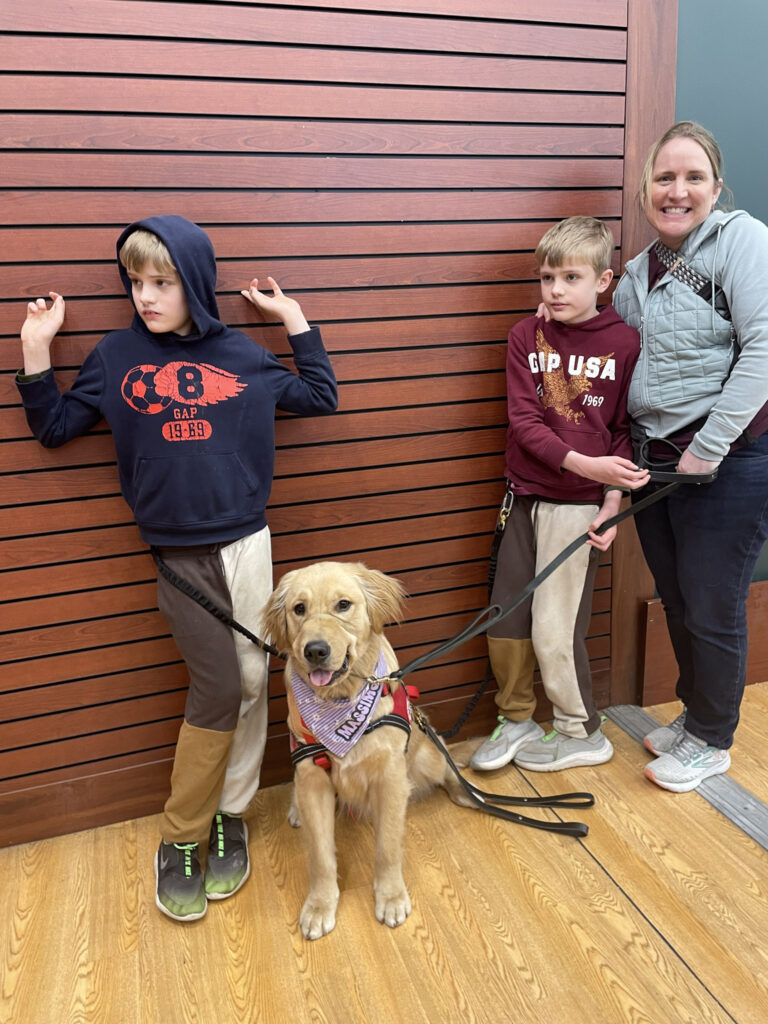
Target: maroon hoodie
{"points": [[567, 391]]}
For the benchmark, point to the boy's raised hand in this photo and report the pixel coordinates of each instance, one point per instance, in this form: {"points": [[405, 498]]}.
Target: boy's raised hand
{"points": [[38, 331], [277, 306]]}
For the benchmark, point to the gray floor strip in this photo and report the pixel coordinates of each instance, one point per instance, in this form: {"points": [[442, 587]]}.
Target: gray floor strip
{"points": [[721, 791]]}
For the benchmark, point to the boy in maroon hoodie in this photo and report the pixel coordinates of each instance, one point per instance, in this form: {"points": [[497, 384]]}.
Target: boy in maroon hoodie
{"points": [[567, 463]]}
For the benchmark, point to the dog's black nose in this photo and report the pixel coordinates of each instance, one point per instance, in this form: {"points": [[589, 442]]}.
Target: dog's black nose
{"points": [[317, 652]]}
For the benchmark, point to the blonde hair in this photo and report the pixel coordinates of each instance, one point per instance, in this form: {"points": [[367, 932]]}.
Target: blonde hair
{"points": [[583, 239], [142, 247], [682, 130]]}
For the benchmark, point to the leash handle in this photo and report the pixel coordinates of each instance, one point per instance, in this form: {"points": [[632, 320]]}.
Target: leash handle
{"points": [[557, 800], [487, 801], [665, 475]]}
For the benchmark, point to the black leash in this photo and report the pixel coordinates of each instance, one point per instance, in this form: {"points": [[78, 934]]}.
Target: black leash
{"points": [[480, 624], [495, 613], [205, 602], [487, 801]]}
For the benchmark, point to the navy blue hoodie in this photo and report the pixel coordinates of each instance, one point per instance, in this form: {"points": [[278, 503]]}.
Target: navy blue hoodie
{"points": [[192, 417]]}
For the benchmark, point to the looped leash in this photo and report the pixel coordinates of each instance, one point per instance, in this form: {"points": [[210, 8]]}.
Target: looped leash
{"points": [[487, 801], [665, 471]]}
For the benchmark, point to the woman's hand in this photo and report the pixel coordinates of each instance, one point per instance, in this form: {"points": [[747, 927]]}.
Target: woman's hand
{"points": [[276, 306], [690, 463]]}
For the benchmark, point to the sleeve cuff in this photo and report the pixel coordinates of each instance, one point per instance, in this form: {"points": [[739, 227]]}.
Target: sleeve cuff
{"points": [[29, 378]]}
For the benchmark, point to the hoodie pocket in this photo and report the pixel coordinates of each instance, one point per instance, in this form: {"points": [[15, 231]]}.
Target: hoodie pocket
{"points": [[191, 490], [586, 442]]}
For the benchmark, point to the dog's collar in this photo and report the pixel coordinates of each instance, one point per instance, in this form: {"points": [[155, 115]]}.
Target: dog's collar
{"points": [[338, 724]]}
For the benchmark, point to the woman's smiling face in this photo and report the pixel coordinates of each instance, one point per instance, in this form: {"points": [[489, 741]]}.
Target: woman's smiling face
{"points": [[683, 190]]}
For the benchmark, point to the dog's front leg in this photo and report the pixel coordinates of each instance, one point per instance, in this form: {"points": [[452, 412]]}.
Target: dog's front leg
{"points": [[316, 801], [389, 804]]}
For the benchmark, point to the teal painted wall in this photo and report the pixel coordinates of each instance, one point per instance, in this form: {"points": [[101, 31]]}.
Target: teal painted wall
{"points": [[722, 82]]}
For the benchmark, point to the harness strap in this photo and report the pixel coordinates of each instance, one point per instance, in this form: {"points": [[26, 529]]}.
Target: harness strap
{"points": [[314, 750]]}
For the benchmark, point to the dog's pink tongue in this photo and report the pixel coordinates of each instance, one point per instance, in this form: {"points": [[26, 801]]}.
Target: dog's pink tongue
{"points": [[319, 677]]}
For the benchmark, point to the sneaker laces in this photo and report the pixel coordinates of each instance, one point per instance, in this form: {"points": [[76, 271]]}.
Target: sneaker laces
{"points": [[187, 849], [689, 747], [497, 731]]}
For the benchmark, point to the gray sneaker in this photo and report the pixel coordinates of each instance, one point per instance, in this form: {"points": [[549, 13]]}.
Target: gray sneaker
{"points": [[228, 866], [180, 892], [661, 740], [503, 743], [556, 750], [687, 764]]}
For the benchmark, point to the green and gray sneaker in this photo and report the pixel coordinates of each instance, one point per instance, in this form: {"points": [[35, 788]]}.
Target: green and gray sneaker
{"points": [[228, 865], [179, 893], [503, 743], [556, 750]]}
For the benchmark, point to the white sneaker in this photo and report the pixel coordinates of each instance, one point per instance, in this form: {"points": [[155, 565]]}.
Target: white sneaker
{"points": [[661, 740], [503, 743], [556, 750], [687, 764]]}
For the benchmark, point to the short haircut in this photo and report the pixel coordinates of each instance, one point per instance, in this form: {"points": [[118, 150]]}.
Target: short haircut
{"points": [[580, 239], [142, 247]]}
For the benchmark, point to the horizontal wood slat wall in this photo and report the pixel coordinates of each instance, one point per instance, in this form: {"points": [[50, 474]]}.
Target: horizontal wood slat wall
{"points": [[392, 165]]}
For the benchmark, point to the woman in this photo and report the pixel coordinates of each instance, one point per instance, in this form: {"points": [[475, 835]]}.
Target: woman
{"points": [[698, 296]]}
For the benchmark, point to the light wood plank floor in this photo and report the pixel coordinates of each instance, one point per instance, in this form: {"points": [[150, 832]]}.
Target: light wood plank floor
{"points": [[659, 916]]}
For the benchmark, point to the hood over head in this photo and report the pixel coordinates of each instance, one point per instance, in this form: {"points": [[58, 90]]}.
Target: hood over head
{"points": [[191, 251]]}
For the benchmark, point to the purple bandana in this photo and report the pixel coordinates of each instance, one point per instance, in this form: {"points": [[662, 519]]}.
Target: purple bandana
{"points": [[338, 724]]}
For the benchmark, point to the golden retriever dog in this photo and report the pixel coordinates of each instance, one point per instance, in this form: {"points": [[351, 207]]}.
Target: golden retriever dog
{"points": [[328, 618]]}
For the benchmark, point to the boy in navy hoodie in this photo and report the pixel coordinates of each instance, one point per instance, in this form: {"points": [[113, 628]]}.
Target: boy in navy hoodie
{"points": [[191, 406], [567, 462]]}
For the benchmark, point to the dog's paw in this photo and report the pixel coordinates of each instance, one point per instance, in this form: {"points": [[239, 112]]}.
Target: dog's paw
{"points": [[392, 910], [317, 917], [294, 818]]}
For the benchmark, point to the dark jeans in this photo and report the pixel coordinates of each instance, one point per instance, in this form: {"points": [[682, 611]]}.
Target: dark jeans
{"points": [[702, 543]]}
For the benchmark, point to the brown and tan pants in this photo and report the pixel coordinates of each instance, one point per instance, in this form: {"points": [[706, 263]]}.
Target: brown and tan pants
{"points": [[551, 626], [222, 738]]}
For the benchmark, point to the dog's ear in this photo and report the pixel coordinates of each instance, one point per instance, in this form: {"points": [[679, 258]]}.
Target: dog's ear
{"points": [[385, 596], [274, 622]]}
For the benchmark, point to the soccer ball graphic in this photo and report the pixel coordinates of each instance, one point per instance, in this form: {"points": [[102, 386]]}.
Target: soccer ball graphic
{"points": [[139, 391]]}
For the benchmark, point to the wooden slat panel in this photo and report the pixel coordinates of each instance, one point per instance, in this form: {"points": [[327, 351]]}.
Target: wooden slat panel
{"points": [[181, 59], [181, 170], [588, 12], [251, 100], [232, 135], [397, 185], [215, 207], [217, 21], [362, 272]]}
